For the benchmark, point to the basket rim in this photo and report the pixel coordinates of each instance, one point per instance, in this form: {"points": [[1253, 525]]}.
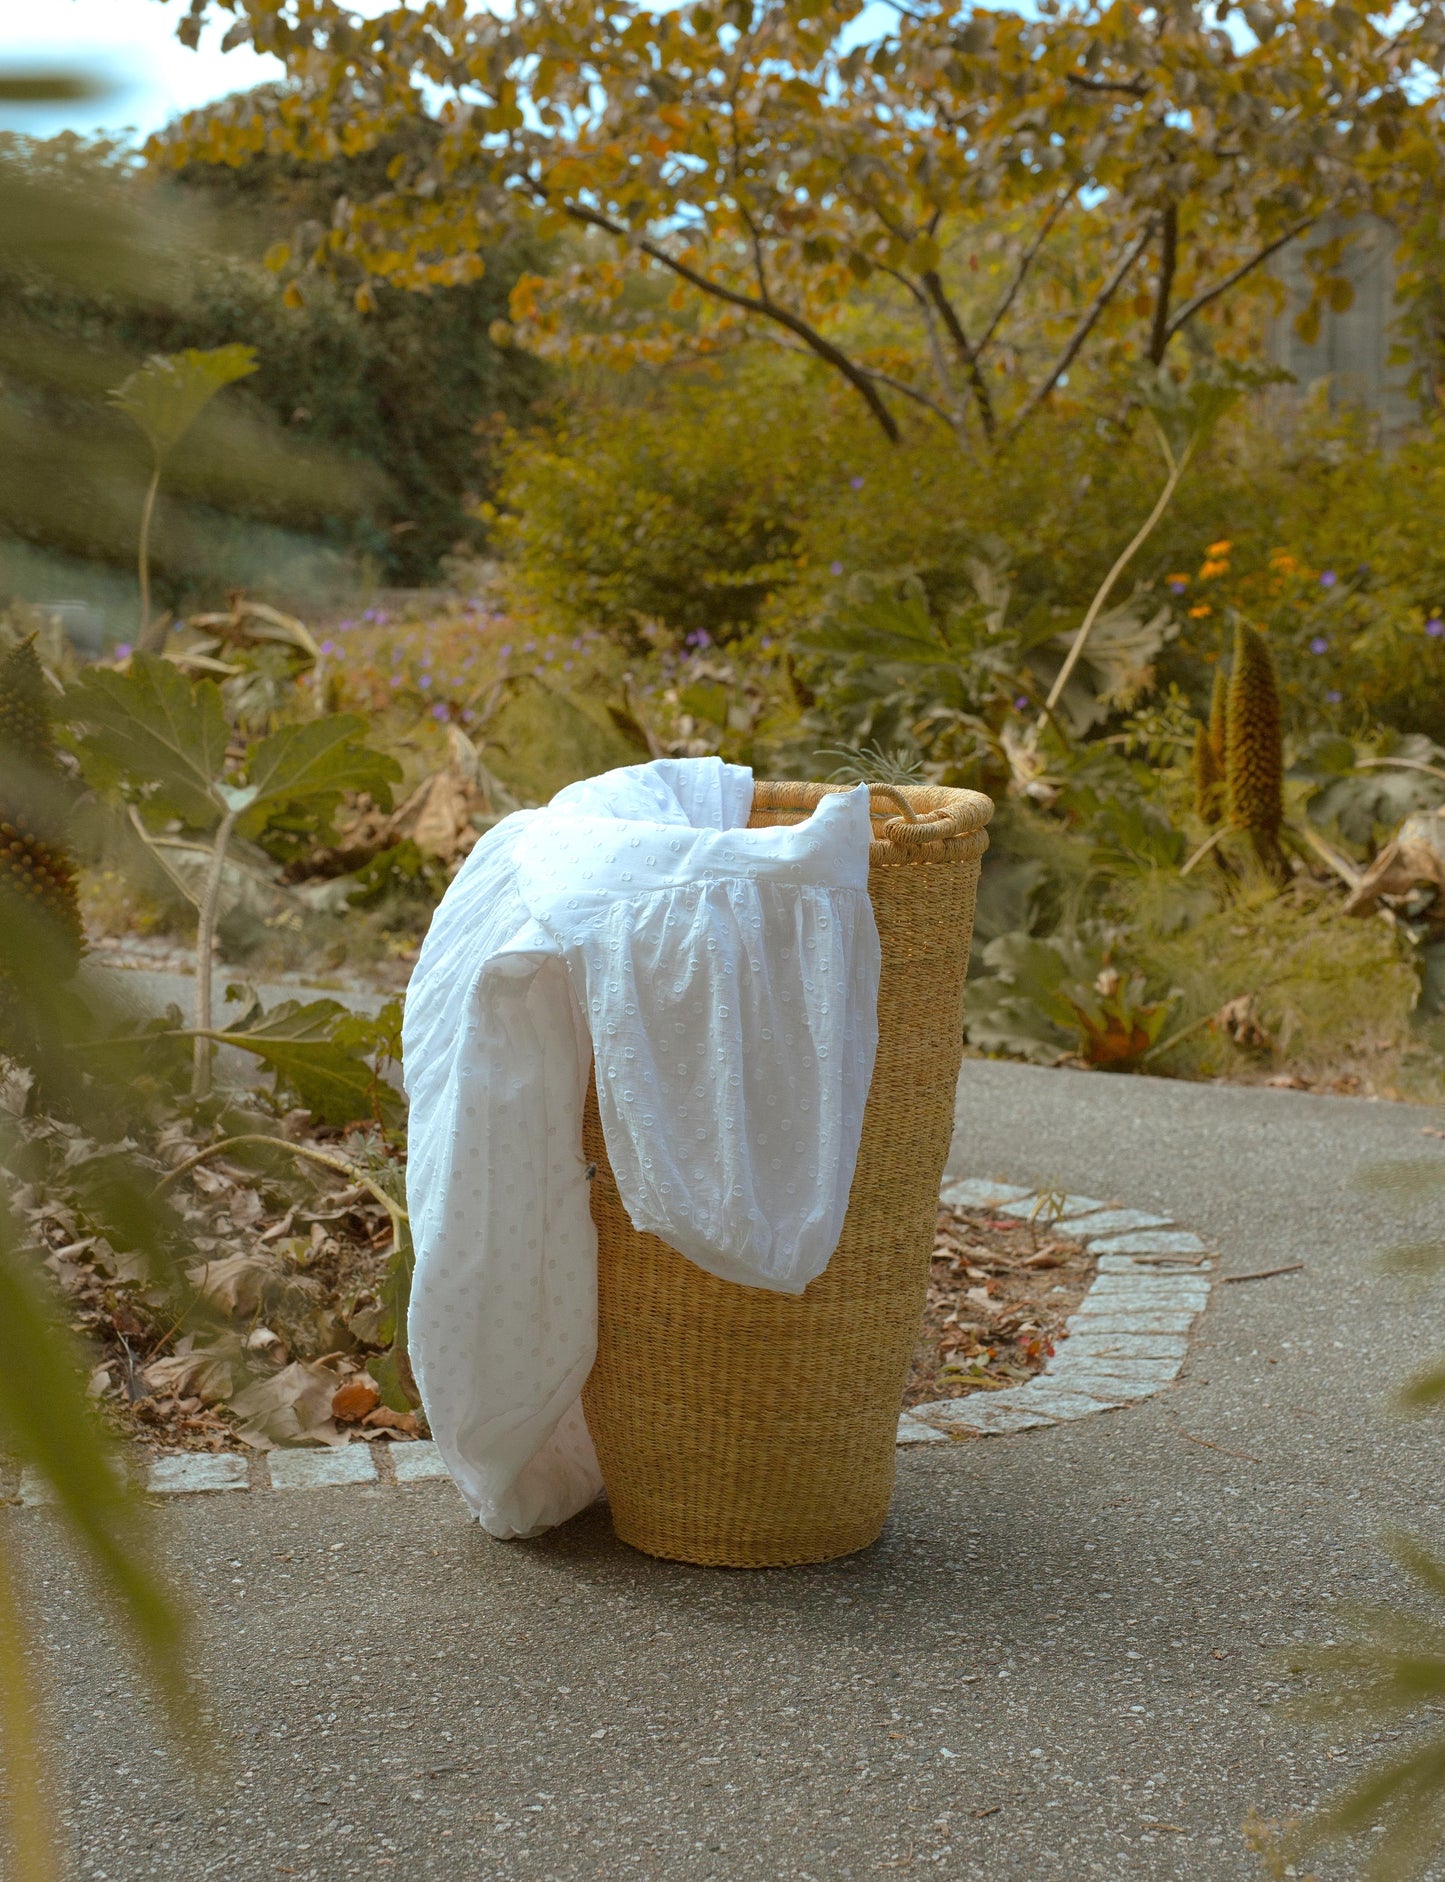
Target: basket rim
{"points": [[911, 814]]}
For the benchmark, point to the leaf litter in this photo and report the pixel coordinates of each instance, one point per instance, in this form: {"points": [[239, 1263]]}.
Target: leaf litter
{"points": [[284, 1307], [1000, 1291]]}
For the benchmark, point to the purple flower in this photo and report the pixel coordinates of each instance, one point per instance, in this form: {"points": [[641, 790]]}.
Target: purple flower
{"points": [[835, 568], [122, 652], [505, 650], [855, 483], [1328, 579], [395, 681], [1434, 627], [1333, 697], [440, 711], [699, 637], [1021, 702], [765, 646], [371, 615], [1319, 644], [424, 680], [328, 646], [344, 627], [467, 715], [567, 665]]}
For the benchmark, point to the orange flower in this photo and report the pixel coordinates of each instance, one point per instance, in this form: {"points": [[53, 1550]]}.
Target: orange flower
{"points": [[1282, 560], [1219, 548], [1198, 614], [1213, 568]]}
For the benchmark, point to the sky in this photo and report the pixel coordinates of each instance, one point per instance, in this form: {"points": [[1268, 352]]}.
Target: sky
{"points": [[131, 44]]}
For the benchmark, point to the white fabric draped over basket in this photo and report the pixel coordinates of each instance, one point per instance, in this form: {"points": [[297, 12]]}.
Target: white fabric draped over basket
{"points": [[725, 982]]}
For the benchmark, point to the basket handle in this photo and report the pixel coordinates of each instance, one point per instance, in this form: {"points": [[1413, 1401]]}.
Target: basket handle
{"points": [[934, 826]]}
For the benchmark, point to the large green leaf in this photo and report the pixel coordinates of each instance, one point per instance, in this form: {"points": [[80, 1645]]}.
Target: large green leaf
{"points": [[1365, 802], [328, 1074], [167, 395], [895, 622], [152, 733], [313, 764]]}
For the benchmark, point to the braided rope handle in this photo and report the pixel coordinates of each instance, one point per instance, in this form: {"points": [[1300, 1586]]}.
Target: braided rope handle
{"points": [[934, 826]]}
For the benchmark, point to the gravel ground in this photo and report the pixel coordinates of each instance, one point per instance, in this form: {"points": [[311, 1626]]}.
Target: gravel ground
{"points": [[1062, 1660]]}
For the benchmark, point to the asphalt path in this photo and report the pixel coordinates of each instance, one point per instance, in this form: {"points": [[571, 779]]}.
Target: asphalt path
{"points": [[1062, 1660]]}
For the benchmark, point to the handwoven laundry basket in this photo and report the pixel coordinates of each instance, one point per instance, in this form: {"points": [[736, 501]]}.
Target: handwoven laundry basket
{"points": [[750, 1429]]}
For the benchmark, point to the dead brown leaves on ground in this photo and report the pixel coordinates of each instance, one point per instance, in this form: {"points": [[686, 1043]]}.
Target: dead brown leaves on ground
{"points": [[999, 1293]]}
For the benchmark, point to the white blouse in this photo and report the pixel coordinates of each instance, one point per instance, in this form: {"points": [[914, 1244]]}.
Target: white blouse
{"points": [[725, 981]]}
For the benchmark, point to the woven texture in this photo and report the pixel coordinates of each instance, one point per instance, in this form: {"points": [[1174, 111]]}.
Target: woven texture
{"points": [[749, 1429]]}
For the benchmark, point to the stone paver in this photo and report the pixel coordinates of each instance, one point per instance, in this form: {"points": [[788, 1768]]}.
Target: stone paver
{"points": [[187, 1472], [977, 1193], [417, 1463], [1113, 1222], [317, 1470], [1151, 1242], [1130, 1344]]}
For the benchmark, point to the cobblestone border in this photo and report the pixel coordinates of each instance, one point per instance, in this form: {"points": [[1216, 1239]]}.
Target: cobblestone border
{"points": [[1128, 1339], [184, 1473]]}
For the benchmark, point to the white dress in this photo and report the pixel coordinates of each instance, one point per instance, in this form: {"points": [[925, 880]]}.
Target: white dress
{"points": [[725, 981]]}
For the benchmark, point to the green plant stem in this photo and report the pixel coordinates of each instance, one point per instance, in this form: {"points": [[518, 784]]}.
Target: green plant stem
{"points": [[1175, 1038], [29, 1837], [1400, 764], [1204, 848], [143, 560], [205, 937], [1177, 468], [341, 1165]]}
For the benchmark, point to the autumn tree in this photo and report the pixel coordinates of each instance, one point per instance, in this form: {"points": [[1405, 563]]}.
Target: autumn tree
{"points": [[959, 216]]}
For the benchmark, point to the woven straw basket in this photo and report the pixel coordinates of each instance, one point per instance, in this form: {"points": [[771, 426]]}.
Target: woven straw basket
{"points": [[751, 1429]]}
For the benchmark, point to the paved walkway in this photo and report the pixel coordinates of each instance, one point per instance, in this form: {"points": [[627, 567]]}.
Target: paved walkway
{"points": [[1060, 1661]]}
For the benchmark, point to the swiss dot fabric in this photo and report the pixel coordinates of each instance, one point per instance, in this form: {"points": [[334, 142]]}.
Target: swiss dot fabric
{"points": [[725, 981]]}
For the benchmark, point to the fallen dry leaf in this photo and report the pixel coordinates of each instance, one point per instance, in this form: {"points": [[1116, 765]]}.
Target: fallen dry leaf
{"points": [[235, 1284], [351, 1402], [292, 1407], [385, 1419], [211, 1371]]}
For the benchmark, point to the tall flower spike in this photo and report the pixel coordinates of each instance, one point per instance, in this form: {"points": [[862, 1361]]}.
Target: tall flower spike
{"points": [[1208, 778], [1254, 754], [1219, 718]]}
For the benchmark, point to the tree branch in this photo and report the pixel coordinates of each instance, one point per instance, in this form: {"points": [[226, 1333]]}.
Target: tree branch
{"points": [[966, 352], [1191, 308], [768, 308], [930, 327], [1168, 263], [1085, 327], [883, 379], [1030, 255], [1133, 88]]}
